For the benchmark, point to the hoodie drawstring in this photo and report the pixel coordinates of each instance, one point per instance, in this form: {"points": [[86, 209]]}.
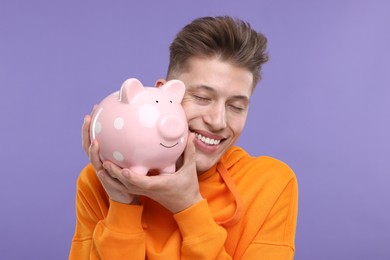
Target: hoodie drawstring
{"points": [[232, 188]]}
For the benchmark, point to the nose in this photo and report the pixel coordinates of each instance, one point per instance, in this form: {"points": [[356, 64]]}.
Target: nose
{"points": [[216, 117], [171, 127]]}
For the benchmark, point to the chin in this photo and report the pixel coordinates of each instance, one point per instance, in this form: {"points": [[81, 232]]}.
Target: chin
{"points": [[200, 170], [204, 163]]}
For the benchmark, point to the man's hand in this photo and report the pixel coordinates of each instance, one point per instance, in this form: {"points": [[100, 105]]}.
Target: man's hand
{"points": [[175, 192], [114, 188]]}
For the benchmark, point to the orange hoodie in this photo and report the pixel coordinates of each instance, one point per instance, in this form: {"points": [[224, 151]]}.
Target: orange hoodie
{"points": [[249, 211]]}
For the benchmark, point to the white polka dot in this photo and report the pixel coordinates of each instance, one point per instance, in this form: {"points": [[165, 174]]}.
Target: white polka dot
{"points": [[118, 156], [118, 123], [98, 127]]}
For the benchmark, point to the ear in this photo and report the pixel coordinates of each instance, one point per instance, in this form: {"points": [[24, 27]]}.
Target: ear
{"points": [[175, 88], [129, 89], [160, 82]]}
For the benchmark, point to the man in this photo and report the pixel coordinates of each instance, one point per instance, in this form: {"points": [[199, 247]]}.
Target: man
{"points": [[221, 203]]}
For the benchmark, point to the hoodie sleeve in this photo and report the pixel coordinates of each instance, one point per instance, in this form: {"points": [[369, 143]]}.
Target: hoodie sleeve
{"points": [[102, 225]]}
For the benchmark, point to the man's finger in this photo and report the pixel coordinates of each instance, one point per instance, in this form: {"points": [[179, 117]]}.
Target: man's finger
{"points": [[85, 139], [138, 181], [86, 142], [94, 156], [112, 169]]}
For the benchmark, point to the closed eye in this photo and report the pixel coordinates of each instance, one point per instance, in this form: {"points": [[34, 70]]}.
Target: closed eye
{"points": [[237, 109], [201, 99]]}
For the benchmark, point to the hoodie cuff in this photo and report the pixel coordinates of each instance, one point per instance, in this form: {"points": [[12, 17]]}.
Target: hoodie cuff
{"points": [[124, 218], [195, 221]]}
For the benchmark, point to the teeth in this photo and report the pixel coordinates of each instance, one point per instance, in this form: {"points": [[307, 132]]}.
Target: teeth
{"points": [[207, 140]]}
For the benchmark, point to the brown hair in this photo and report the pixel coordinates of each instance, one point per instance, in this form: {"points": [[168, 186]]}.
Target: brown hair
{"points": [[228, 38]]}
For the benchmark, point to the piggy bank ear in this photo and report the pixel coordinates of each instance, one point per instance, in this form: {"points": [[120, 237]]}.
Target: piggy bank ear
{"points": [[129, 89], [175, 89]]}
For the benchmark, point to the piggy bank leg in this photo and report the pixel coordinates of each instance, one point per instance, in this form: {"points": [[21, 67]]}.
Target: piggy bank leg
{"points": [[139, 170], [168, 170]]}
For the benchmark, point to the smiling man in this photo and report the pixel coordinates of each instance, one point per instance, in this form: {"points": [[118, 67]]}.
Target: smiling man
{"points": [[216, 105], [221, 203]]}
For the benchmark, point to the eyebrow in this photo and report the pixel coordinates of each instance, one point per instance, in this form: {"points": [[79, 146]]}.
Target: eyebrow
{"points": [[210, 89]]}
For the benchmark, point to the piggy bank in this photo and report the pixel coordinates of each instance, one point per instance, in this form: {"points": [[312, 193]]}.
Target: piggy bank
{"points": [[142, 128]]}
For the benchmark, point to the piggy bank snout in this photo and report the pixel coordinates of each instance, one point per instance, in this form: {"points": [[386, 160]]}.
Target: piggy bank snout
{"points": [[171, 126]]}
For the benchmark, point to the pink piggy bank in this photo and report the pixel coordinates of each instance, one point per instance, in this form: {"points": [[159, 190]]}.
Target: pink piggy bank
{"points": [[142, 128]]}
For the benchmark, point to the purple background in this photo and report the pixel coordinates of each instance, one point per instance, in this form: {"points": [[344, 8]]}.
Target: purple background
{"points": [[323, 107]]}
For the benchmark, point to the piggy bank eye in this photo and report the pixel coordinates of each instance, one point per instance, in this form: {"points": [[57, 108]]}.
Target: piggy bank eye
{"points": [[156, 101], [170, 101]]}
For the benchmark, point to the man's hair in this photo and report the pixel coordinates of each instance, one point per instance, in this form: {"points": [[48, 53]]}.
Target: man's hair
{"points": [[229, 39]]}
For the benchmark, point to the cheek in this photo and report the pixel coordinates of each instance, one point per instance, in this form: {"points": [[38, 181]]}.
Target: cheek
{"points": [[237, 123], [190, 109]]}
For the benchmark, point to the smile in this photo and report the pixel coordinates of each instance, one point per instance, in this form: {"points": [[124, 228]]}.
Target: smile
{"points": [[166, 146], [207, 140]]}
